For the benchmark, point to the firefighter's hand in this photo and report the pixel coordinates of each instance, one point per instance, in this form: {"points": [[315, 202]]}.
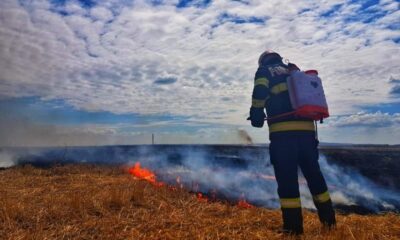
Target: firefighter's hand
{"points": [[257, 117], [293, 67]]}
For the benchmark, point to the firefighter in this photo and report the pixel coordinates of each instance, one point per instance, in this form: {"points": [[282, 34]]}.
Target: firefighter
{"points": [[293, 143]]}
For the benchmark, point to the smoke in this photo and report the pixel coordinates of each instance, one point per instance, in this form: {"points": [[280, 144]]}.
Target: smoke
{"points": [[256, 180], [230, 177], [252, 176], [348, 187], [7, 159], [23, 132], [232, 172], [244, 136]]}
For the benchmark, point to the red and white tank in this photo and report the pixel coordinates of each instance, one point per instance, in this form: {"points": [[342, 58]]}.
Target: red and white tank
{"points": [[307, 95]]}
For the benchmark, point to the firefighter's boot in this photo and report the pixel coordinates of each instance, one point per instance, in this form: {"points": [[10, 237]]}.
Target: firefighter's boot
{"points": [[326, 213], [292, 221]]}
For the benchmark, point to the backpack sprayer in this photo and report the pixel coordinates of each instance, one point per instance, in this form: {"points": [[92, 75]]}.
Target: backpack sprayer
{"points": [[307, 96]]}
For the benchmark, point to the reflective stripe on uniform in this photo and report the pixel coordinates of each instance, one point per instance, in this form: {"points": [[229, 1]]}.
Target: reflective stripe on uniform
{"points": [[278, 88], [292, 126], [261, 81], [323, 197], [258, 103], [290, 203]]}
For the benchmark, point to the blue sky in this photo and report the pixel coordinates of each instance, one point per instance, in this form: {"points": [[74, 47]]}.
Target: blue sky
{"points": [[82, 72]]}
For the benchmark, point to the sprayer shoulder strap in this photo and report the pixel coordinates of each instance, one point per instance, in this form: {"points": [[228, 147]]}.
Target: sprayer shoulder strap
{"points": [[280, 115], [274, 91]]}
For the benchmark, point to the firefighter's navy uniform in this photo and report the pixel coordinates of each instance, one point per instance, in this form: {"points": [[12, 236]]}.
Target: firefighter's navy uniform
{"points": [[293, 144]]}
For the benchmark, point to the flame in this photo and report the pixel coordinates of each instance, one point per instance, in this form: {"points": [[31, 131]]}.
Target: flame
{"points": [[266, 177], [145, 174], [201, 197], [244, 204]]}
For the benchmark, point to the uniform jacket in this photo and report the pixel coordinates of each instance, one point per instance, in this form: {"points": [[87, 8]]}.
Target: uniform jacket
{"points": [[271, 93]]}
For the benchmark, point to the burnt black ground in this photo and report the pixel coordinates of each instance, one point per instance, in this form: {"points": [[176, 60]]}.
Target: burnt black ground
{"points": [[381, 164]]}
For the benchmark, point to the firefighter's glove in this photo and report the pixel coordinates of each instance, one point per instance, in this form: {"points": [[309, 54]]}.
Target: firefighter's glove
{"points": [[293, 67], [257, 117]]}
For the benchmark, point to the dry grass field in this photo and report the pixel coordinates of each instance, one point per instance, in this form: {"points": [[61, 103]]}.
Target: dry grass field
{"points": [[99, 202]]}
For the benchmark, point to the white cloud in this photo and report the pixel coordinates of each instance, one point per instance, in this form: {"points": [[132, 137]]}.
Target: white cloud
{"points": [[108, 58], [364, 119], [101, 13]]}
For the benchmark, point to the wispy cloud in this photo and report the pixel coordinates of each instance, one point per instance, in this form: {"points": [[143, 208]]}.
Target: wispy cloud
{"points": [[364, 119]]}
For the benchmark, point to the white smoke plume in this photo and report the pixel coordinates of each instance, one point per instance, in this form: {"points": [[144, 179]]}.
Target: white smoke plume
{"points": [[257, 184], [231, 172], [7, 159], [244, 136]]}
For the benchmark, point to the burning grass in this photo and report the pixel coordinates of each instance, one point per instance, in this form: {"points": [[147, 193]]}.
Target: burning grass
{"points": [[98, 202]]}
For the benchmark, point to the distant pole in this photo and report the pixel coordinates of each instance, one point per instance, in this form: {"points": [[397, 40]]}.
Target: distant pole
{"points": [[152, 138]]}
